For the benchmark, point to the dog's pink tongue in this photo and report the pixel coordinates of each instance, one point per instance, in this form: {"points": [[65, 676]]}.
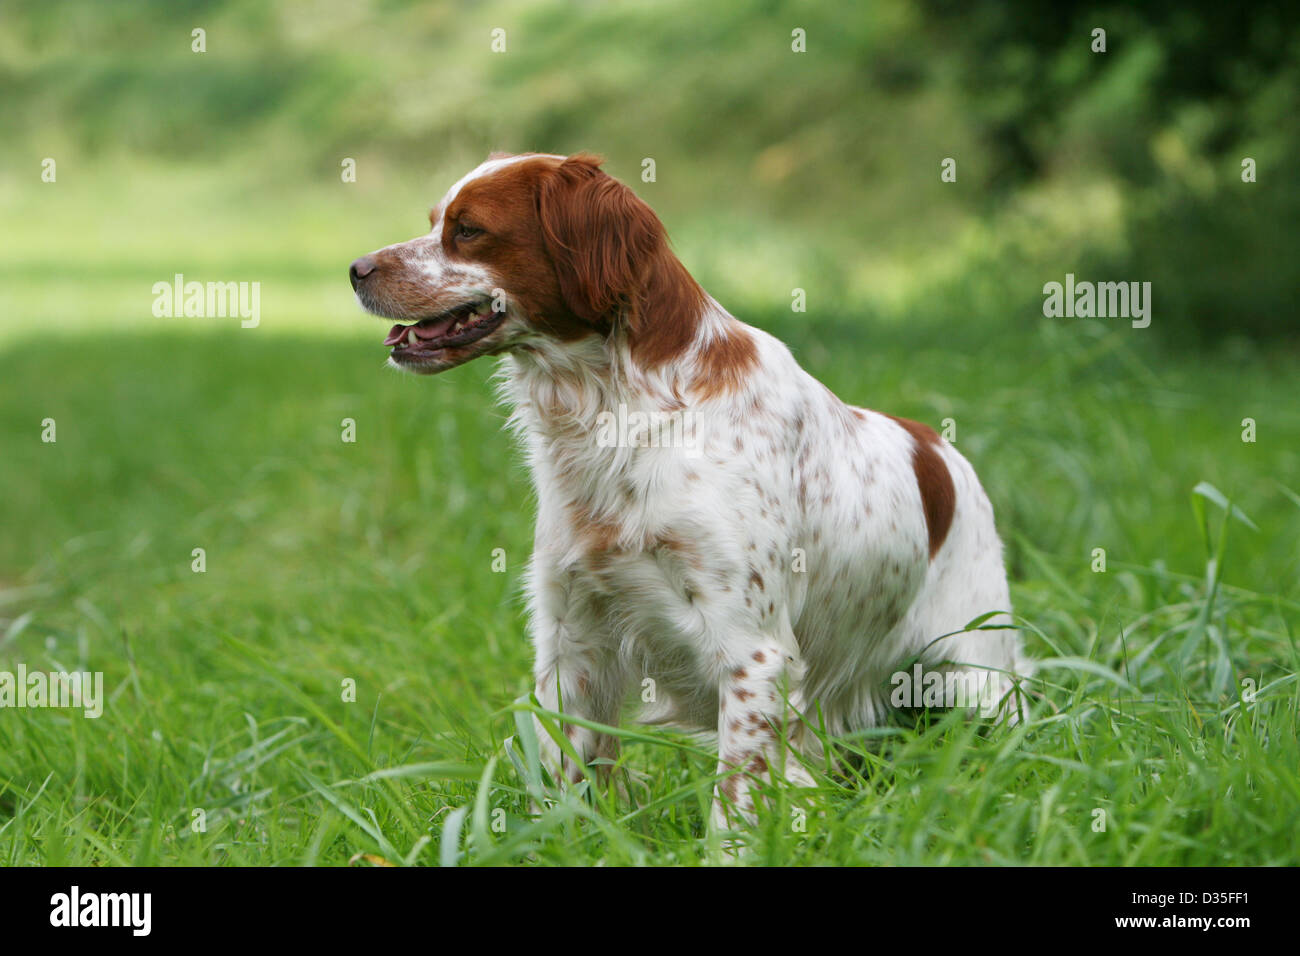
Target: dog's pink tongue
{"points": [[396, 335], [426, 332]]}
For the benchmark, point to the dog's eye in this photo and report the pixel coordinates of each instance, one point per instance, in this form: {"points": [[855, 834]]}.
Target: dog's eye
{"points": [[464, 231]]}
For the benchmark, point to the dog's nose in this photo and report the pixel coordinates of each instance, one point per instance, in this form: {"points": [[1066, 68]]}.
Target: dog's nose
{"points": [[360, 269]]}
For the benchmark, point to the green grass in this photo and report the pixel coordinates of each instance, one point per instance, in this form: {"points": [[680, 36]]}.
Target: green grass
{"points": [[371, 561]]}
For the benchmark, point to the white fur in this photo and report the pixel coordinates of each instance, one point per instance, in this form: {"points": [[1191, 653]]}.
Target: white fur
{"points": [[692, 618]]}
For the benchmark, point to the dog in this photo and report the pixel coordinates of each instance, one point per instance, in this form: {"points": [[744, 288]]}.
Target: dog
{"points": [[768, 567]]}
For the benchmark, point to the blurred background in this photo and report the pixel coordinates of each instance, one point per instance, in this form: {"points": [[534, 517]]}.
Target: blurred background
{"points": [[820, 167], [775, 170]]}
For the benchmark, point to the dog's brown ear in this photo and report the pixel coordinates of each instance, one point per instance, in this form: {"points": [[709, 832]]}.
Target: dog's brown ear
{"points": [[601, 237]]}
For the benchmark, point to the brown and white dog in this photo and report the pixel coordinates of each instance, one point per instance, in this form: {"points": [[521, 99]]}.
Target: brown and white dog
{"points": [[779, 555]]}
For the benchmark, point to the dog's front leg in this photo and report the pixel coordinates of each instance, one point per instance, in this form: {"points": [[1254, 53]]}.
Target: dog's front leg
{"points": [[573, 681], [759, 724], [576, 672]]}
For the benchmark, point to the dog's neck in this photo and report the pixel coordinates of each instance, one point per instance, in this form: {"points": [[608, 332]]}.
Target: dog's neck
{"points": [[557, 390], [568, 399]]}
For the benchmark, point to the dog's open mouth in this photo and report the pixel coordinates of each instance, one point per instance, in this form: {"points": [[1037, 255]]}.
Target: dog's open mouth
{"points": [[459, 326]]}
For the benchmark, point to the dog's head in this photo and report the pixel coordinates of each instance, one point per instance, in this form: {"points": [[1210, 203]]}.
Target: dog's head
{"points": [[522, 249]]}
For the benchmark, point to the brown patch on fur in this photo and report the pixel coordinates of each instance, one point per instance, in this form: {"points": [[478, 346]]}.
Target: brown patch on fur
{"points": [[678, 545], [742, 694], [504, 204], [759, 657], [730, 787], [938, 494], [601, 538], [723, 365], [739, 674], [611, 257]]}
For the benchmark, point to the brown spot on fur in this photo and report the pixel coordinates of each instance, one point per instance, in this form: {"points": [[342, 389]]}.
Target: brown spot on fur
{"points": [[730, 787], [742, 694], [724, 363], [612, 259], [758, 765], [507, 204], [599, 536], [602, 539], [755, 578], [938, 494], [739, 674], [681, 546], [759, 657]]}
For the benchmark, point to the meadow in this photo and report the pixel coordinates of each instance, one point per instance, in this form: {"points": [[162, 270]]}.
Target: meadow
{"points": [[345, 681]]}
